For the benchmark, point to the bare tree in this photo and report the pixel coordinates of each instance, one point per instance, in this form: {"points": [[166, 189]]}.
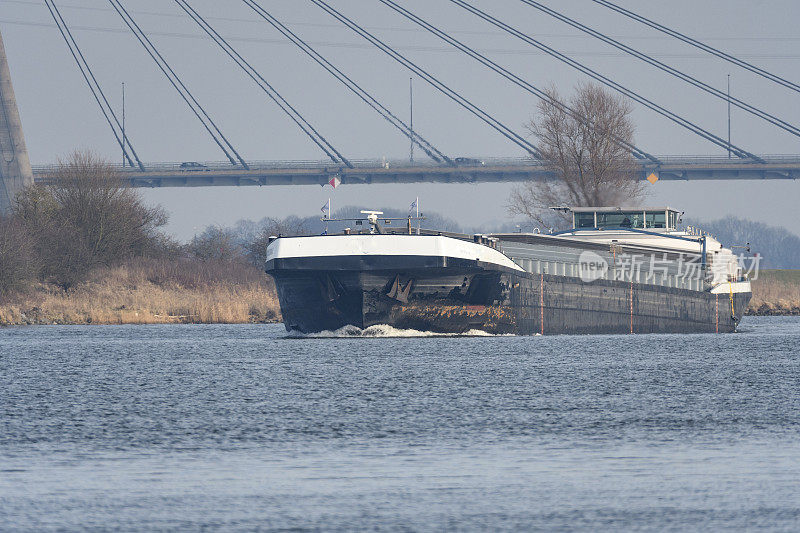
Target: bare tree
{"points": [[256, 248], [110, 214], [86, 216], [216, 244], [16, 256], [246, 241], [591, 167]]}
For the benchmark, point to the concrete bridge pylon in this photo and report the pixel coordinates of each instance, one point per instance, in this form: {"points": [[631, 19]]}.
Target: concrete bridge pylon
{"points": [[15, 166]]}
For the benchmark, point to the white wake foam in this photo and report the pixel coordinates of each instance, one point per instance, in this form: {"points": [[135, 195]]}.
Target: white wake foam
{"points": [[386, 331]]}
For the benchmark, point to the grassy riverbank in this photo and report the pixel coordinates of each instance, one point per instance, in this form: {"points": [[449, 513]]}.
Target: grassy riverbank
{"points": [[151, 292], [776, 292]]}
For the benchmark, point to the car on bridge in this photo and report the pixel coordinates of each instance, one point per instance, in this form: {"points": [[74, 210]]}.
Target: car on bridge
{"points": [[193, 165], [468, 162]]}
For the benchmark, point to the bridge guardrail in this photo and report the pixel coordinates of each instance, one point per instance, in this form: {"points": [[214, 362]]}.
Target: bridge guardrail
{"points": [[667, 160]]}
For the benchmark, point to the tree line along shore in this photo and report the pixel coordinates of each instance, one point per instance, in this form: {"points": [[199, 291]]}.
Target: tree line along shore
{"points": [[150, 291]]}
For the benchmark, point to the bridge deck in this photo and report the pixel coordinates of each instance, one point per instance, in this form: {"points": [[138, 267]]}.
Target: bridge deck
{"points": [[216, 174]]}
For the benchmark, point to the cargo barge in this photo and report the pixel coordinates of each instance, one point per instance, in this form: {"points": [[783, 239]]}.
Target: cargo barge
{"points": [[616, 271]]}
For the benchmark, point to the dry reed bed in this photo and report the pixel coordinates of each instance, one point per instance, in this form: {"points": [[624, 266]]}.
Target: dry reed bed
{"points": [[152, 292], [775, 296]]}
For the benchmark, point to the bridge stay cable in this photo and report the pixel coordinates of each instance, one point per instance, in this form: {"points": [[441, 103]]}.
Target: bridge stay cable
{"points": [[210, 126], [94, 86], [794, 130], [390, 117], [635, 151], [264, 85], [702, 46], [498, 126], [673, 117]]}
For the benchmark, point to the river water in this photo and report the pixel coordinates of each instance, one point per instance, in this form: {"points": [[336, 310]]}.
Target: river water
{"points": [[242, 428]]}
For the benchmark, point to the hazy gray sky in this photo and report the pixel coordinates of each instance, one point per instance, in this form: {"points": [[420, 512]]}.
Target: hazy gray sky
{"points": [[59, 115]]}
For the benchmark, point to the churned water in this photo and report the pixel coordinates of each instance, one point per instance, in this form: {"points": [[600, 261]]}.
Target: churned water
{"points": [[240, 427]]}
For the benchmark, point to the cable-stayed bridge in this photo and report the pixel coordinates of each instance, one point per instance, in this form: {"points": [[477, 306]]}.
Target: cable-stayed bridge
{"points": [[437, 166], [263, 173]]}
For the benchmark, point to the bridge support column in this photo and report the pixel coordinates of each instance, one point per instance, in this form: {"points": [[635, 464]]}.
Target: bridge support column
{"points": [[15, 166]]}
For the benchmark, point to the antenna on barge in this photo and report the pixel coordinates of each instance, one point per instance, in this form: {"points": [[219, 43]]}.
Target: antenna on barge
{"points": [[326, 217], [372, 218], [414, 205]]}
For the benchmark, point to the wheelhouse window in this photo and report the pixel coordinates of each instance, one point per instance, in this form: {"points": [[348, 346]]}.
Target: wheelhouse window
{"points": [[620, 219], [656, 220], [584, 220], [634, 219], [613, 220]]}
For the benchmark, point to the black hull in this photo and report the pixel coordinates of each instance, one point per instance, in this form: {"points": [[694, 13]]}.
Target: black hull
{"points": [[450, 296]]}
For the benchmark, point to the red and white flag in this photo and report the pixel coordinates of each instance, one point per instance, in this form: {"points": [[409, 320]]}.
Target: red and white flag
{"points": [[335, 182]]}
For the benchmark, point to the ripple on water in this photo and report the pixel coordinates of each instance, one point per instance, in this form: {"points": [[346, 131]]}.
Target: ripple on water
{"points": [[240, 427]]}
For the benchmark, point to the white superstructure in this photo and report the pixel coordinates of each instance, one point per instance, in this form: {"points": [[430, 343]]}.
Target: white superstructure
{"points": [[639, 245], [386, 245], [640, 236]]}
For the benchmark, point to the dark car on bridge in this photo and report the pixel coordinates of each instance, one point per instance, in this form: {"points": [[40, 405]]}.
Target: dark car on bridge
{"points": [[468, 162], [193, 165]]}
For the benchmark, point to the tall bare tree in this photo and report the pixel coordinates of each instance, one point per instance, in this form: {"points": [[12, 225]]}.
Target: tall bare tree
{"points": [[17, 265], [591, 167], [112, 216], [86, 216]]}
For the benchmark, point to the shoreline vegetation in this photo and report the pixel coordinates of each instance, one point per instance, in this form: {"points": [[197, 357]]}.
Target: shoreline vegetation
{"points": [[85, 249], [776, 293], [145, 291]]}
